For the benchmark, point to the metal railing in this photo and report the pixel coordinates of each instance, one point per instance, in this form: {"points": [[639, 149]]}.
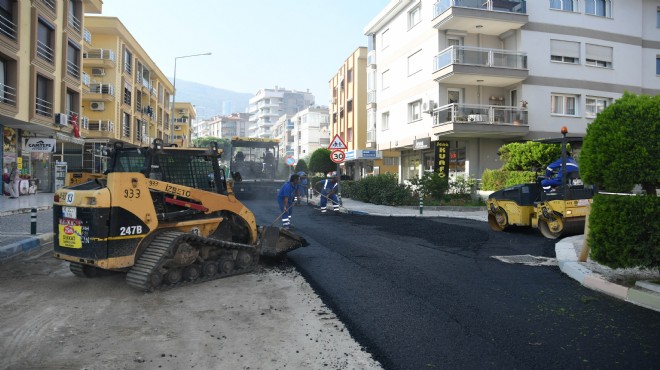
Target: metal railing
{"points": [[8, 28], [371, 136], [7, 94], [73, 69], [126, 129], [44, 51], [74, 22], [44, 107], [483, 114], [104, 54], [84, 122], [102, 126], [467, 55], [510, 6], [86, 80], [102, 89], [371, 96], [50, 4], [87, 36], [128, 67]]}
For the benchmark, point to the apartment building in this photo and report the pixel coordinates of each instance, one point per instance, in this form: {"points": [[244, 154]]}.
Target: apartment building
{"points": [[283, 130], [268, 105], [235, 124], [451, 81], [41, 83], [349, 120], [184, 115], [126, 96]]}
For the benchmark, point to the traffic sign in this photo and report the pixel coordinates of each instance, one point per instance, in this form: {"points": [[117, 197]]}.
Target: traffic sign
{"points": [[290, 161], [337, 156], [337, 143]]}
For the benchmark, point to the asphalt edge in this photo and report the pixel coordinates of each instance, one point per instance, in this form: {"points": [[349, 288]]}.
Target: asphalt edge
{"points": [[641, 294], [24, 210]]}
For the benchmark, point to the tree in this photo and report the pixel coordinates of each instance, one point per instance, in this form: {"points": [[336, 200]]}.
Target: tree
{"points": [[622, 145], [301, 166], [320, 161], [529, 155]]}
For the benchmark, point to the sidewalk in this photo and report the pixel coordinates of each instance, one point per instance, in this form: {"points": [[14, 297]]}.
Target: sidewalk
{"points": [[589, 274]]}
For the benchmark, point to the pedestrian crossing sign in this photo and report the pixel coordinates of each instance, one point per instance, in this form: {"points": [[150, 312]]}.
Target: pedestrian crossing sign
{"points": [[337, 143]]}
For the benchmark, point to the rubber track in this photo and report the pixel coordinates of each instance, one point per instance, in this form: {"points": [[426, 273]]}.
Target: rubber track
{"points": [[162, 247]]}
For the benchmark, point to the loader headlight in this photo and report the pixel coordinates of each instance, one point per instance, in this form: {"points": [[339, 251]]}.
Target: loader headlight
{"points": [[91, 201]]}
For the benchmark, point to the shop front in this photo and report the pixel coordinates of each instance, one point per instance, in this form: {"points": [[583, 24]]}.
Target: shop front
{"points": [[447, 157], [360, 163]]}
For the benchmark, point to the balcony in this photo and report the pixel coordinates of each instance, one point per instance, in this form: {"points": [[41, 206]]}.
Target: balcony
{"points": [[103, 92], [473, 120], [87, 36], [7, 95], [100, 129], [371, 139], [8, 28], [75, 23], [464, 65], [99, 58], [489, 17]]}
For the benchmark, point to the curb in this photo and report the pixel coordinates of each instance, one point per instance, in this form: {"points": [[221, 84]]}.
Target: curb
{"points": [[25, 246], [24, 210], [568, 263]]}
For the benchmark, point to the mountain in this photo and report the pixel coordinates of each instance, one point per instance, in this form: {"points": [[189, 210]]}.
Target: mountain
{"points": [[209, 101]]}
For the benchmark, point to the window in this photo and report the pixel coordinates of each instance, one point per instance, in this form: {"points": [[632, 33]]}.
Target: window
{"points": [[73, 59], [127, 95], [414, 16], [385, 121], [126, 125], [567, 5], [415, 63], [8, 77], [657, 18], [565, 51], [601, 8], [128, 61], [73, 15], [44, 97], [657, 66], [385, 80], [563, 104], [45, 41], [385, 39], [7, 25], [599, 56], [349, 105], [415, 111], [349, 75], [595, 105]]}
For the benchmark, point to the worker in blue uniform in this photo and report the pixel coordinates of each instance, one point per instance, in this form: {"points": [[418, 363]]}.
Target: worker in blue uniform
{"points": [[329, 191], [285, 198], [554, 172]]}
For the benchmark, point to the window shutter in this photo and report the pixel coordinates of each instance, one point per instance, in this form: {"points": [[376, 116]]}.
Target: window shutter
{"points": [[597, 52], [565, 48]]}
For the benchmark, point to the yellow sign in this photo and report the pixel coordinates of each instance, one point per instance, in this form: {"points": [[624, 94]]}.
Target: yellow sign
{"points": [[69, 236], [19, 163]]}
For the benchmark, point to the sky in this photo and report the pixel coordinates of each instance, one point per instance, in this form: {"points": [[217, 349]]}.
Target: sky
{"points": [[293, 44]]}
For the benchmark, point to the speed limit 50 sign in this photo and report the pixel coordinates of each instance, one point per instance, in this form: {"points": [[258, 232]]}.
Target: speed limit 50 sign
{"points": [[337, 156]]}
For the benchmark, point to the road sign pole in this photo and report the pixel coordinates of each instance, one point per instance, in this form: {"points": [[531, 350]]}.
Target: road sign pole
{"points": [[339, 184]]}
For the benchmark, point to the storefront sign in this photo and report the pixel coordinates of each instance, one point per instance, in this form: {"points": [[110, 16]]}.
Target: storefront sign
{"points": [[39, 145], [423, 143], [442, 158], [352, 155]]}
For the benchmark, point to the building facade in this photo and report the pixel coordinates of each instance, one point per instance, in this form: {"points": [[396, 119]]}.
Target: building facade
{"points": [[41, 79], [349, 120], [451, 81], [268, 105], [127, 97], [184, 116]]}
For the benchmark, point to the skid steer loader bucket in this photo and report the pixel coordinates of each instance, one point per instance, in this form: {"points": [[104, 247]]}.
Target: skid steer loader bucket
{"points": [[276, 241]]}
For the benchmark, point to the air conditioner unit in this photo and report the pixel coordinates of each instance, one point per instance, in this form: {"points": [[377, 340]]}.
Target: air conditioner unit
{"points": [[428, 106], [177, 128], [97, 105], [98, 71], [61, 119]]}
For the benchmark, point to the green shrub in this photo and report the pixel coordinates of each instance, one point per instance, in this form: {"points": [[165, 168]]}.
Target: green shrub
{"points": [[462, 185], [381, 189], [528, 155], [498, 179], [432, 185], [623, 231]]}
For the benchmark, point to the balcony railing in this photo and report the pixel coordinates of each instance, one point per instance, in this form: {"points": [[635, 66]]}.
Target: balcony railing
{"points": [[467, 55], [104, 54], [72, 69], [509, 6], [87, 36], [44, 51], [102, 126], [7, 94], [44, 107], [84, 122], [102, 89], [371, 96], [371, 136], [50, 4], [74, 22], [126, 129], [482, 114], [86, 80], [7, 28]]}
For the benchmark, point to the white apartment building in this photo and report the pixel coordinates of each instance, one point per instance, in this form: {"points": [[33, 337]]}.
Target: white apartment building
{"points": [[311, 131], [450, 81], [235, 124], [268, 105]]}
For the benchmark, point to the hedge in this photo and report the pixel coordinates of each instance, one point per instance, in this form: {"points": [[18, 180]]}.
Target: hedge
{"points": [[623, 231], [498, 179]]}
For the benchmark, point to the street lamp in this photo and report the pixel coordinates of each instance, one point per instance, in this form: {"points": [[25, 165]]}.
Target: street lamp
{"points": [[174, 95]]}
